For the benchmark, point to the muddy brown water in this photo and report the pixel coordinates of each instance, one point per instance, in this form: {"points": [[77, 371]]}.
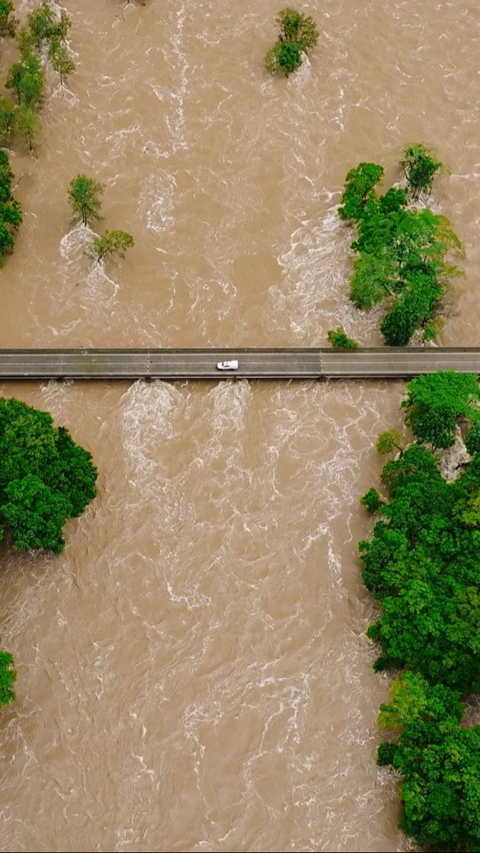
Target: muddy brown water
{"points": [[193, 670]]}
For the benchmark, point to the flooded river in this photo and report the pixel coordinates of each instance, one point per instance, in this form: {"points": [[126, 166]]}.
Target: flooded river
{"points": [[193, 670]]}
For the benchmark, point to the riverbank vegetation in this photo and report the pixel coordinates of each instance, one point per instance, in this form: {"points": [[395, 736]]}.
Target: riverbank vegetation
{"points": [[45, 479], [298, 33], [40, 41], [8, 21], [404, 254], [10, 209], [422, 567]]}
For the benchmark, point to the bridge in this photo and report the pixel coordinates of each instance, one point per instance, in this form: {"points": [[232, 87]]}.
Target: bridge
{"points": [[280, 363]]}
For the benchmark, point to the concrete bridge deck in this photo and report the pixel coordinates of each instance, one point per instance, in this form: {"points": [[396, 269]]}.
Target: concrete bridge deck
{"points": [[279, 363]]}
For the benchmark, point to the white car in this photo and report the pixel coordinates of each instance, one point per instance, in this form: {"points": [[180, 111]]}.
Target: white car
{"points": [[227, 365]]}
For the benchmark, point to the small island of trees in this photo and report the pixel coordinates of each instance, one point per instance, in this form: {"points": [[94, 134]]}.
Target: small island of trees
{"points": [[85, 197], [298, 33], [404, 254]]}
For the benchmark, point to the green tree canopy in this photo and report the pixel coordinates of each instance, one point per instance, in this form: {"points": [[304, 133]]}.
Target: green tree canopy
{"points": [[8, 22], [45, 478], [61, 61], [359, 189], [298, 33], [10, 210], [44, 25], [296, 27], [27, 124], [27, 79], [420, 165], [112, 243], [389, 441], [7, 120], [371, 500], [8, 677], [404, 256], [339, 338], [439, 762], [435, 403], [84, 195], [422, 565]]}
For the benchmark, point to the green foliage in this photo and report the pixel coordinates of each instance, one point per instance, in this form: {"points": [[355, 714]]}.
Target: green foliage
{"points": [[389, 441], [472, 441], [423, 567], [298, 33], [27, 79], [284, 58], [25, 43], [27, 124], [44, 26], [295, 27], [422, 562], [7, 120], [338, 338], [45, 478], [60, 59], [439, 762], [435, 403], [84, 195], [8, 22], [402, 256], [371, 500], [34, 514], [420, 165], [10, 210], [112, 243], [8, 677], [359, 189]]}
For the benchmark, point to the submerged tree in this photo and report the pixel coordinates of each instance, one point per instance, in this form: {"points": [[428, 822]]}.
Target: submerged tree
{"points": [[27, 124], [389, 441], [420, 165], [298, 33], [8, 21], [44, 25], [112, 243], [84, 195], [61, 61], [27, 79], [45, 478], [11, 216], [339, 339], [8, 677], [7, 120]]}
